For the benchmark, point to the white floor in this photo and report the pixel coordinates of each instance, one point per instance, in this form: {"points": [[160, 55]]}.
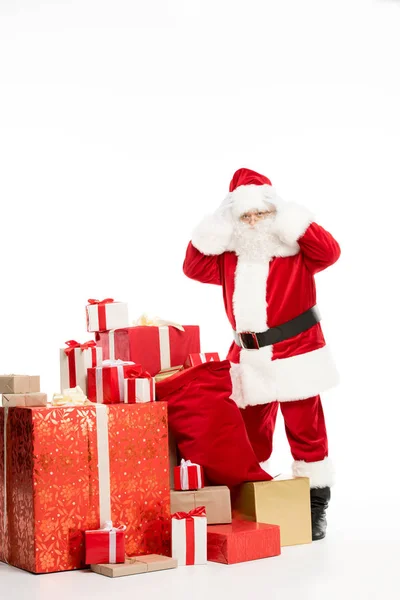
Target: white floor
{"points": [[359, 559]]}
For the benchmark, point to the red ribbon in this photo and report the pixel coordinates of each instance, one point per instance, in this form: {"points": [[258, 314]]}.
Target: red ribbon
{"points": [[105, 301], [102, 311], [199, 511], [72, 345], [190, 542], [137, 372], [70, 352]]}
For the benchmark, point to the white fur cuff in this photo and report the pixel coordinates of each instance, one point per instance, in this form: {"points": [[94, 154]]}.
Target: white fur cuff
{"points": [[212, 235], [320, 473], [291, 222]]}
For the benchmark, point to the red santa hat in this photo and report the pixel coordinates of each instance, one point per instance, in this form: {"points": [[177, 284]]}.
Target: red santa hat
{"points": [[249, 190]]}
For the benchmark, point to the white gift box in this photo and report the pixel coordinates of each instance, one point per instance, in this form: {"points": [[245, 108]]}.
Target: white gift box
{"points": [[189, 537], [105, 315], [74, 363]]}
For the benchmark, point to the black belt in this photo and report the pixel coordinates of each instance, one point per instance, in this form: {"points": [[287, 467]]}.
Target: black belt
{"points": [[253, 341]]}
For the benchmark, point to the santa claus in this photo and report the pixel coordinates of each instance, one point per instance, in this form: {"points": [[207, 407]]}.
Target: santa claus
{"points": [[264, 252]]}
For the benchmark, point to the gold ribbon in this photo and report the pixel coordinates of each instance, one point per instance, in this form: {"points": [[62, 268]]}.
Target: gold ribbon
{"points": [[71, 397], [146, 321]]}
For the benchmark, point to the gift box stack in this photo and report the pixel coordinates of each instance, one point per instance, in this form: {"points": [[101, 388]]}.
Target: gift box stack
{"points": [[94, 478]]}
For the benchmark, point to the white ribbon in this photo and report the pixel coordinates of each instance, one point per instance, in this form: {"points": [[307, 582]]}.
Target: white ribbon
{"points": [[103, 454], [111, 344], [184, 474], [99, 384], [112, 547], [165, 350]]}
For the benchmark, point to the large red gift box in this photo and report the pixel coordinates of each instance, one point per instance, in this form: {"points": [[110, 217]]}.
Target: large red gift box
{"points": [[155, 348], [70, 469], [242, 541]]}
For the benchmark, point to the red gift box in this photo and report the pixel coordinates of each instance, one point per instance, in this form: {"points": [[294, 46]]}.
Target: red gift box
{"points": [[193, 360], [105, 546], [106, 383], [155, 348], [71, 469], [242, 541], [75, 360], [188, 476]]}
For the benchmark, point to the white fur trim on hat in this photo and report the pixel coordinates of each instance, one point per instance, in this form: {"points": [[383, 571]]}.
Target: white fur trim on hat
{"points": [[251, 197], [321, 473], [291, 221]]}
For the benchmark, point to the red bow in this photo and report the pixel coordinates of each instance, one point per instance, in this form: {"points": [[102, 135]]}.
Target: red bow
{"points": [[105, 301], [72, 344], [137, 372], [199, 511]]}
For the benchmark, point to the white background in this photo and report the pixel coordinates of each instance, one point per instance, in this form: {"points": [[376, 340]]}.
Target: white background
{"points": [[122, 123]]}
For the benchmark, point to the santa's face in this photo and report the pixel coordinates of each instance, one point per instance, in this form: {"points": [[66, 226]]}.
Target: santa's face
{"points": [[254, 216], [253, 236]]}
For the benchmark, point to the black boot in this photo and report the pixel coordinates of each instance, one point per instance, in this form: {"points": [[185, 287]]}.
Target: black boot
{"points": [[319, 503]]}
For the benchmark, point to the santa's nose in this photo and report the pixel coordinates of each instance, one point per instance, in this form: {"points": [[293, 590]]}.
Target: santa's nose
{"points": [[253, 220]]}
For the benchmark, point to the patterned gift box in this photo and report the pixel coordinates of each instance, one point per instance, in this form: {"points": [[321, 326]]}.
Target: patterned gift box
{"points": [[155, 348], [71, 469], [102, 315], [194, 360], [75, 360]]}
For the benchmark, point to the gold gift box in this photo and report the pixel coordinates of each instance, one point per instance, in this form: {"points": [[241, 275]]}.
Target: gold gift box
{"points": [[216, 499], [136, 565], [282, 501], [168, 373]]}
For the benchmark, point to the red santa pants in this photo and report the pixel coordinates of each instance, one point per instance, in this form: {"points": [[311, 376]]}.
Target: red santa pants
{"points": [[306, 434]]}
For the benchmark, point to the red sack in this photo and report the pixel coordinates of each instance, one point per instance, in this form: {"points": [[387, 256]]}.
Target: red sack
{"points": [[208, 426]]}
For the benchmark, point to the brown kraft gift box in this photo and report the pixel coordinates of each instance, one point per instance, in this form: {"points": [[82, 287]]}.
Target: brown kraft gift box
{"points": [[19, 384], [32, 399], [282, 501], [134, 566], [216, 499]]}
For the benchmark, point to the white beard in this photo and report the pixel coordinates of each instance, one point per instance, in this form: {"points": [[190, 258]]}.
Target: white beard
{"points": [[258, 243]]}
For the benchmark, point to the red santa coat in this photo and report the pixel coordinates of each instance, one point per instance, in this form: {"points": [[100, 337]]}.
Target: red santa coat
{"points": [[260, 296]]}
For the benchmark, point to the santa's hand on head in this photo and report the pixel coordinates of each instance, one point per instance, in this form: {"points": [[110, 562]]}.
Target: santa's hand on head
{"points": [[213, 234]]}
